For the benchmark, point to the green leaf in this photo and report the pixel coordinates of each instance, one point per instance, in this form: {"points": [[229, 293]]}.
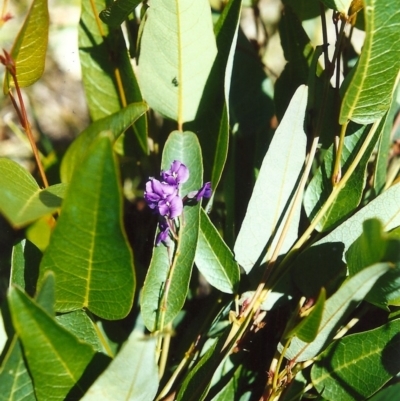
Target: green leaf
{"points": [[214, 259], [118, 11], [378, 66], [320, 187], [185, 148], [337, 309], [79, 324], [56, 358], [324, 258], [89, 252], [131, 376], [15, 381], [117, 123], [30, 46], [307, 329], [177, 51], [25, 262], [21, 199], [305, 9], [388, 393], [374, 246], [357, 366], [274, 189]]}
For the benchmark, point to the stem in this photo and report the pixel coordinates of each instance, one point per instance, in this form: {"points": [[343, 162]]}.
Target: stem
{"points": [[324, 35], [336, 173]]}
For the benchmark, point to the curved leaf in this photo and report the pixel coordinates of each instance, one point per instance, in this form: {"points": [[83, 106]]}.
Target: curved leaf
{"points": [[21, 199], [116, 123], [337, 308], [378, 66], [274, 188], [185, 148], [56, 358], [88, 251], [131, 376], [177, 51], [30, 46], [339, 5], [118, 11], [214, 259], [357, 366]]}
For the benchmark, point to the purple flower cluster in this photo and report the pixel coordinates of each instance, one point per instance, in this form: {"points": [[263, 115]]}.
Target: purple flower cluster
{"points": [[162, 196]]}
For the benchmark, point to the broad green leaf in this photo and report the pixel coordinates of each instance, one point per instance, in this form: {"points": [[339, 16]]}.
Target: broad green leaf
{"points": [[30, 46], [177, 51], [56, 358], [323, 260], [337, 308], [109, 81], [116, 124], [79, 324], [275, 188], [15, 381], [89, 252], [307, 329], [182, 146], [339, 5], [214, 259], [349, 197], [21, 199], [389, 393], [305, 9], [374, 246], [357, 366], [378, 66], [25, 262], [131, 376], [118, 11]]}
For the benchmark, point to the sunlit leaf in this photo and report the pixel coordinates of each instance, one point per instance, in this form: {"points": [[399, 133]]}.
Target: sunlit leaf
{"points": [[378, 66], [339, 5], [177, 51], [337, 308], [21, 199], [56, 359], [30, 46], [274, 189], [357, 366], [131, 376], [214, 259], [88, 251], [116, 124], [182, 146]]}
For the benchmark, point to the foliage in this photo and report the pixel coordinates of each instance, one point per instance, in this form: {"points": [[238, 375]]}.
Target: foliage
{"points": [[256, 254]]}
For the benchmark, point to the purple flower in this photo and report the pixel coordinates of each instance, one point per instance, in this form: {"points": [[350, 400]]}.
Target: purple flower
{"points": [[176, 175], [171, 206], [163, 235], [204, 192]]}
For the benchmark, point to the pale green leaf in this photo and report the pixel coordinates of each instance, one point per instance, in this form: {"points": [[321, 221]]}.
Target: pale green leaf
{"points": [[275, 188], [339, 5], [357, 366], [30, 46], [214, 259], [337, 309], [182, 146], [56, 358], [21, 199], [177, 51], [89, 252], [131, 376], [116, 124], [378, 66]]}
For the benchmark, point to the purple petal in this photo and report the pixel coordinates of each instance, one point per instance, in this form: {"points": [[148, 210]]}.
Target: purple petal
{"points": [[176, 207], [163, 235], [204, 192], [177, 174]]}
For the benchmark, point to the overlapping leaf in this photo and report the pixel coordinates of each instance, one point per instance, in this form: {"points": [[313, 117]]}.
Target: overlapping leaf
{"points": [[177, 51], [185, 148], [357, 366], [30, 46], [88, 251], [275, 188], [21, 199], [118, 11], [378, 66], [214, 259]]}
